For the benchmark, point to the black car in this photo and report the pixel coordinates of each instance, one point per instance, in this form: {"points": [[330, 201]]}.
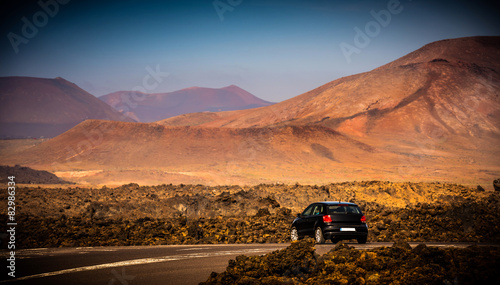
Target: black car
{"points": [[331, 220]]}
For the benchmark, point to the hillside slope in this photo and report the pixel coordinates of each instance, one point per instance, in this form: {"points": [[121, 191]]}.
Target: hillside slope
{"points": [[208, 155], [433, 115], [439, 101], [444, 85], [158, 106], [35, 107]]}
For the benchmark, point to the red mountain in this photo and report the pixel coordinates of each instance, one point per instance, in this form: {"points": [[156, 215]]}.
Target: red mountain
{"points": [[440, 100], [158, 106], [433, 115], [35, 107], [454, 80]]}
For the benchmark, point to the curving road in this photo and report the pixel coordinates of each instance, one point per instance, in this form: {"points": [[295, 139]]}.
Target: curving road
{"points": [[127, 265]]}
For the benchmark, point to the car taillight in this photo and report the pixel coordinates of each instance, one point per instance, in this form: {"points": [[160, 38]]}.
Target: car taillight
{"points": [[363, 219], [327, 219]]}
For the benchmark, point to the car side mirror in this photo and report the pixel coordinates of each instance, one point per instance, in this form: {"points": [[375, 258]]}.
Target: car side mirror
{"points": [[299, 215]]}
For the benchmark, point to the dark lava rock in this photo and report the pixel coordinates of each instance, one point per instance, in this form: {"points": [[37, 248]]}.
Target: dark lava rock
{"points": [[295, 262], [298, 264], [401, 244], [194, 214], [262, 212]]}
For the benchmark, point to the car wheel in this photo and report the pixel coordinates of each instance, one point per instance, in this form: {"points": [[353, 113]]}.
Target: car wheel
{"points": [[318, 235], [294, 234], [362, 240]]}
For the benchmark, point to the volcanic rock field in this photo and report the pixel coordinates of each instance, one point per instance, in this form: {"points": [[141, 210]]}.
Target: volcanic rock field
{"points": [[398, 264], [193, 214]]}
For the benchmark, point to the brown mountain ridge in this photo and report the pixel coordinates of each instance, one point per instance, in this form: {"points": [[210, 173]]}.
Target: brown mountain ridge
{"points": [[433, 115], [36, 107], [146, 108]]}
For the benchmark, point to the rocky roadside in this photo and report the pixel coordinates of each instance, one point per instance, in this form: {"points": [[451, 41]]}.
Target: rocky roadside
{"points": [[192, 214], [399, 264]]}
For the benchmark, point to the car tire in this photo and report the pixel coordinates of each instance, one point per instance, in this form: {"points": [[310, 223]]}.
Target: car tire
{"points": [[294, 234], [362, 240], [318, 235]]}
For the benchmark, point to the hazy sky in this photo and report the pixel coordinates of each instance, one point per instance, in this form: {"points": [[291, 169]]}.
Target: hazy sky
{"points": [[274, 49]]}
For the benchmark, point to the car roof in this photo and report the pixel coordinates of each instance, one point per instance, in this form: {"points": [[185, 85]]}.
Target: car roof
{"points": [[337, 203]]}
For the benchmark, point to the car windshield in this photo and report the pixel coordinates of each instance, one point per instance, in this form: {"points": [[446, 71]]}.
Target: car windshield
{"points": [[343, 209]]}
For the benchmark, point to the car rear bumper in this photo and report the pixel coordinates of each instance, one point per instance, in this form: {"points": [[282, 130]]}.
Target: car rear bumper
{"points": [[345, 231]]}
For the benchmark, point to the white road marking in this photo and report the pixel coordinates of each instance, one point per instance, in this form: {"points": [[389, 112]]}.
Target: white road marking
{"points": [[194, 248], [142, 261]]}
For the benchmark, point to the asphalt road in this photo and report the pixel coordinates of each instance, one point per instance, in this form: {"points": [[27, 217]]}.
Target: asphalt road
{"points": [[127, 265]]}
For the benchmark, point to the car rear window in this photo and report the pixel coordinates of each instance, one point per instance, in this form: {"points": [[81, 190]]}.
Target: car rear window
{"points": [[343, 209]]}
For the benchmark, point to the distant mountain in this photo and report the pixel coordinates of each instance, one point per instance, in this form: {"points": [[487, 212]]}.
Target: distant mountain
{"points": [[432, 115], [26, 175], [449, 86], [158, 106], [437, 109], [36, 107]]}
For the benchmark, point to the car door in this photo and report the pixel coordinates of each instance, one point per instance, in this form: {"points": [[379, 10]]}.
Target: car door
{"points": [[312, 219], [317, 217], [302, 223]]}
